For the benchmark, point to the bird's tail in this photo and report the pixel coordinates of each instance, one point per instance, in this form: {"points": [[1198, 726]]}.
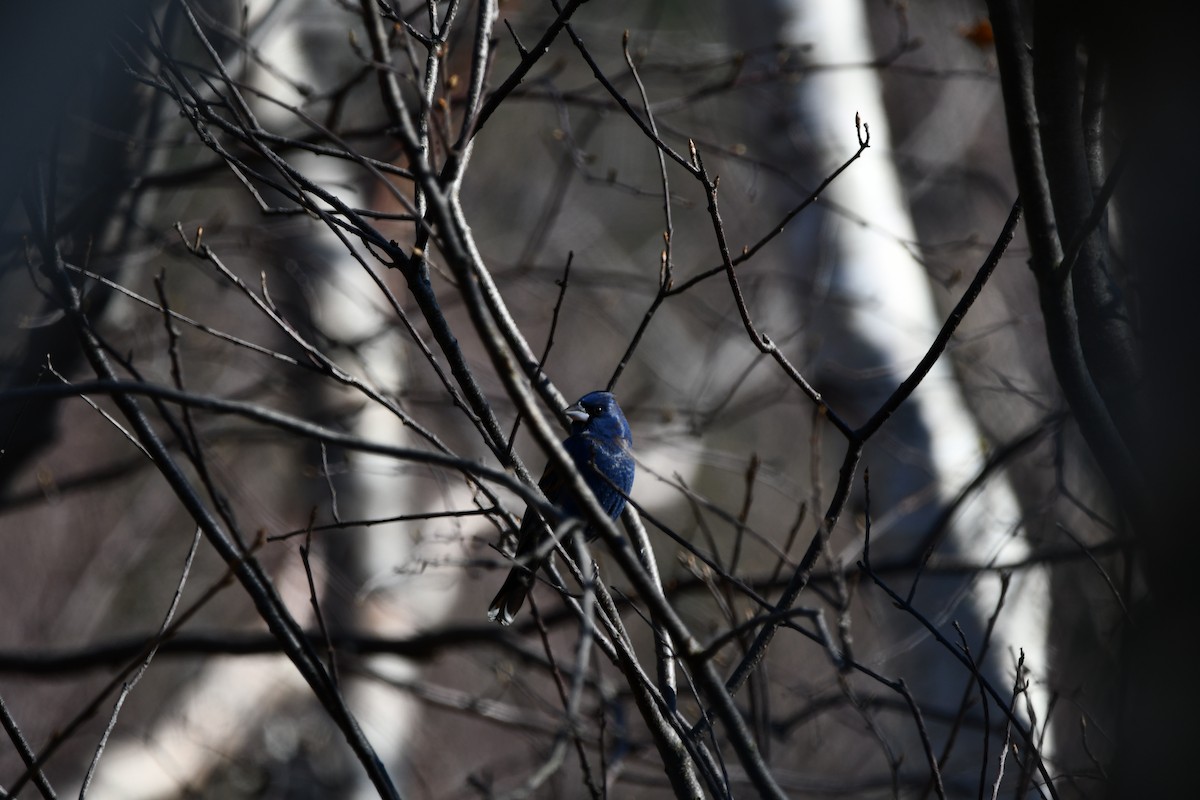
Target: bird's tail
{"points": [[511, 597]]}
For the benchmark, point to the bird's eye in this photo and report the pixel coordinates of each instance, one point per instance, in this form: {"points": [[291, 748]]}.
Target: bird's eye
{"points": [[593, 411]]}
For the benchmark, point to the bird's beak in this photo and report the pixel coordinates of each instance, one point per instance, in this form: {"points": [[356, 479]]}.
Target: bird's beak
{"points": [[576, 413]]}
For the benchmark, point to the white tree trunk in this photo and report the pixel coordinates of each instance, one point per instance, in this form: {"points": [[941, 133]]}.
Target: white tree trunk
{"points": [[870, 313], [357, 570]]}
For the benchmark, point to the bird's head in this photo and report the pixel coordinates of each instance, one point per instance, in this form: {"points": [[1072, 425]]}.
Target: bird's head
{"points": [[598, 414]]}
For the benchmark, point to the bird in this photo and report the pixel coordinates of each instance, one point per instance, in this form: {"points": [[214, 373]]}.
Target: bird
{"points": [[600, 445]]}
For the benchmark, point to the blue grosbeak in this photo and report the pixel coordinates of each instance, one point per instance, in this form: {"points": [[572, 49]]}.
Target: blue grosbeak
{"points": [[599, 444]]}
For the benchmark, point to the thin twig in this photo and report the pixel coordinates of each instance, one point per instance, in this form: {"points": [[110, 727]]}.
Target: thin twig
{"points": [[32, 765], [145, 665]]}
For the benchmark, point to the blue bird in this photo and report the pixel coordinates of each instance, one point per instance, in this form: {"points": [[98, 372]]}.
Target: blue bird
{"points": [[600, 446]]}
